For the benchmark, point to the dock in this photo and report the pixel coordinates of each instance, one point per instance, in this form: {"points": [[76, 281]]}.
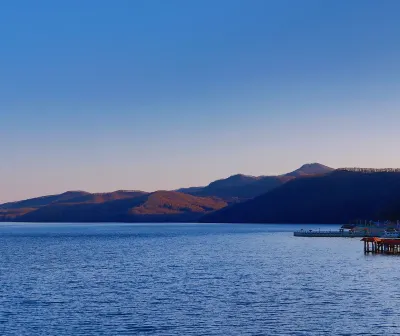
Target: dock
{"points": [[381, 245], [333, 233]]}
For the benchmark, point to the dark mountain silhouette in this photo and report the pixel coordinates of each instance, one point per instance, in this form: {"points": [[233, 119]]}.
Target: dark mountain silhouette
{"points": [[310, 169], [237, 180], [337, 197], [140, 207], [241, 187]]}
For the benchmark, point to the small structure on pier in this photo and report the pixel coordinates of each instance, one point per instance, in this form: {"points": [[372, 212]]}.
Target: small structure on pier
{"points": [[381, 245]]}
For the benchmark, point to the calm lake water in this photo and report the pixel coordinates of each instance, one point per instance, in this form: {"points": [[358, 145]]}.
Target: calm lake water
{"points": [[188, 279]]}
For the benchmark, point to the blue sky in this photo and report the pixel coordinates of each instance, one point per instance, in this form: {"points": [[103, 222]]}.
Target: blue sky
{"points": [[145, 94]]}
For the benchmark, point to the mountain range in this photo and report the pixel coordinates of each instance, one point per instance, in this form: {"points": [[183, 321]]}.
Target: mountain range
{"points": [[237, 188], [337, 197], [124, 206], [314, 193]]}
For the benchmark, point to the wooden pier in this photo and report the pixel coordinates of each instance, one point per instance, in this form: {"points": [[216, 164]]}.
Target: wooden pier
{"points": [[381, 245]]}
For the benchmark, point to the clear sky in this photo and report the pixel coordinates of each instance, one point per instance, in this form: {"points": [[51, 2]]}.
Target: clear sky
{"points": [[151, 94]]}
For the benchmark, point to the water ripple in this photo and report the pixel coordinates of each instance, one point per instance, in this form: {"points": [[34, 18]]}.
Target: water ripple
{"points": [[191, 280]]}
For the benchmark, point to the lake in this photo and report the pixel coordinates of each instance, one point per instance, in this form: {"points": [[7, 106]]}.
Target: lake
{"points": [[192, 279]]}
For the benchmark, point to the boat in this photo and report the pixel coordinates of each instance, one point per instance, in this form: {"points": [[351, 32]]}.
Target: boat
{"points": [[390, 233]]}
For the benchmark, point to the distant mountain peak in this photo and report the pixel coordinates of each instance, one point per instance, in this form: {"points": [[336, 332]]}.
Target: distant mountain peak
{"points": [[314, 165], [73, 192], [242, 176], [310, 169]]}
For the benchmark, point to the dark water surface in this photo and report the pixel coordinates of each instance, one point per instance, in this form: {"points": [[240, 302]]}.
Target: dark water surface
{"points": [[191, 279]]}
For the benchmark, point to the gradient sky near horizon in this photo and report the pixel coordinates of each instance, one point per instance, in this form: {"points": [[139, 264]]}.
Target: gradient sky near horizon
{"points": [[102, 95]]}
